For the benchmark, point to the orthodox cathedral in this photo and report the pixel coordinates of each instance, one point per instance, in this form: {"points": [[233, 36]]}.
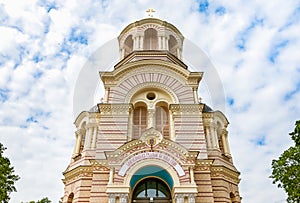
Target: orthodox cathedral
{"points": [[151, 140]]}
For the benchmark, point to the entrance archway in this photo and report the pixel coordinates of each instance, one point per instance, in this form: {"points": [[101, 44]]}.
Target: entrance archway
{"points": [[151, 190]]}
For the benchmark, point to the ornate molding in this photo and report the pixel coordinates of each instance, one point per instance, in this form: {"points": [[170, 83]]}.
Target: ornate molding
{"points": [[115, 109], [77, 173], [151, 155], [189, 109], [151, 137], [151, 85], [228, 174]]}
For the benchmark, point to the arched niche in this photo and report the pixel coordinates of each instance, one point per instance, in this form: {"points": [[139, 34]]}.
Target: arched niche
{"points": [[70, 198], [150, 39], [128, 45], [140, 117], [162, 116], [150, 94], [173, 45], [173, 179]]}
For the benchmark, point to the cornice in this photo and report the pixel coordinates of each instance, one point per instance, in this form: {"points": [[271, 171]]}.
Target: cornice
{"points": [[107, 109], [119, 156], [161, 55], [186, 108], [78, 172], [112, 78], [222, 171]]}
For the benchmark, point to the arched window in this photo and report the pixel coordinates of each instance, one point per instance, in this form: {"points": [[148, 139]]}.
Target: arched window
{"points": [[128, 45], [220, 140], [162, 119], [231, 195], [150, 39], [173, 45], [151, 190], [70, 198], [139, 120]]}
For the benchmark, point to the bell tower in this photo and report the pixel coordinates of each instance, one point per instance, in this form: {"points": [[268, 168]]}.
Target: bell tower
{"points": [[151, 140]]}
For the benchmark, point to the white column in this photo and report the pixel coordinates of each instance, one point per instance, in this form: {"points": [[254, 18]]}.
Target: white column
{"points": [[75, 146], [87, 142], [179, 198], [123, 198], [78, 141], [135, 43], [216, 137], [94, 140], [163, 42], [172, 131], [192, 175], [212, 136], [111, 198], [159, 43], [167, 42], [195, 95], [225, 142], [123, 52], [111, 175], [142, 43], [130, 126], [106, 95], [178, 53], [191, 198], [151, 118], [208, 137]]}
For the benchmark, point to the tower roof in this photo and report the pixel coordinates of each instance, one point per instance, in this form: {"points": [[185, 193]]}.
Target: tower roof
{"points": [[150, 21], [150, 34]]}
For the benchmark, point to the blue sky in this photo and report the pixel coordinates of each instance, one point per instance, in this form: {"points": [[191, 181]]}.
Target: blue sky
{"points": [[253, 46]]}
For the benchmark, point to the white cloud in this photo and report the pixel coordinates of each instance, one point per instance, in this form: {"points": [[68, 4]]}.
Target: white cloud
{"points": [[44, 45]]}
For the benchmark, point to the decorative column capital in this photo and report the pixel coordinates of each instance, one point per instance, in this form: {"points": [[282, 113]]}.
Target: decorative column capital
{"points": [[91, 125], [224, 132], [123, 198], [111, 198], [191, 198], [179, 198], [79, 132]]}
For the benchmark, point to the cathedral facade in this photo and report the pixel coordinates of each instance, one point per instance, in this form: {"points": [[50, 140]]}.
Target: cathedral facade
{"points": [[151, 140]]}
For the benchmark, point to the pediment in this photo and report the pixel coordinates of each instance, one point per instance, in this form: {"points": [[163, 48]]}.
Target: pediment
{"points": [[151, 141]]}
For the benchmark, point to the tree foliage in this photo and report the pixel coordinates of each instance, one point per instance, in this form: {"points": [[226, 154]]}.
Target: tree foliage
{"points": [[44, 200], [286, 170], [7, 177]]}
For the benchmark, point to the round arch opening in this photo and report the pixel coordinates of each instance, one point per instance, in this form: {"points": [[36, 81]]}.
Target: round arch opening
{"points": [[151, 189], [151, 184]]}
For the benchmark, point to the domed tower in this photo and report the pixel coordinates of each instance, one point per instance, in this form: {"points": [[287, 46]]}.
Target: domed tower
{"points": [[150, 140]]}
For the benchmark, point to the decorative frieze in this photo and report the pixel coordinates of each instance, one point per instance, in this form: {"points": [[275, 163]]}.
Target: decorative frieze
{"points": [[188, 109], [76, 173], [115, 109], [229, 175], [151, 155]]}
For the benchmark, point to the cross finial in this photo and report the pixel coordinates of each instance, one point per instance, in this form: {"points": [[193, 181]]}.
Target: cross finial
{"points": [[150, 12]]}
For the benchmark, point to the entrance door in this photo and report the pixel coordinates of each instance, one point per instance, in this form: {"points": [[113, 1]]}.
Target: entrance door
{"points": [[151, 190]]}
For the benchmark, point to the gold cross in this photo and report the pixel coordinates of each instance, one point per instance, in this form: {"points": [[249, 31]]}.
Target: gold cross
{"points": [[150, 12]]}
